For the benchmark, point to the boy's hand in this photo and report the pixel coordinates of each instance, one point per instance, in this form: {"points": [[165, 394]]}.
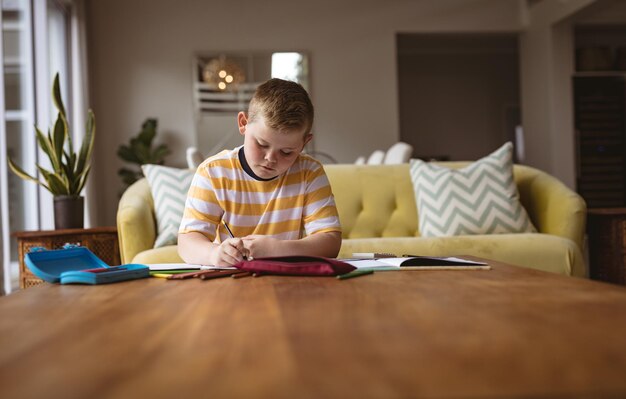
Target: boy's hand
{"points": [[259, 246], [230, 252]]}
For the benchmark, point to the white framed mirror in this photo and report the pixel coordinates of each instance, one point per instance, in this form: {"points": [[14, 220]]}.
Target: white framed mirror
{"points": [[224, 82]]}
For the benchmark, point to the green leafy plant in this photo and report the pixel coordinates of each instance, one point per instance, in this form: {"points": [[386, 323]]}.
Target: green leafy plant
{"points": [[140, 152], [69, 169]]}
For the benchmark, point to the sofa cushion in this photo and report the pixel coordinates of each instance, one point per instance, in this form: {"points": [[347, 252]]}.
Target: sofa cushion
{"points": [[481, 198], [169, 188], [165, 254]]}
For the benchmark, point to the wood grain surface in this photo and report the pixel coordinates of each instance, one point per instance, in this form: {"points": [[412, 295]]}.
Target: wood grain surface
{"points": [[503, 333]]}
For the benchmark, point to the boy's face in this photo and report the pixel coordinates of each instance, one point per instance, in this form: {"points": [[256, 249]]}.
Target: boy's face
{"points": [[270, 152]]}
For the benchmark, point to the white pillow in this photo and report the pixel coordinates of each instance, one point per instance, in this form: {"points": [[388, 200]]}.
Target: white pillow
{"points": [[169, 188], [481, 198]]}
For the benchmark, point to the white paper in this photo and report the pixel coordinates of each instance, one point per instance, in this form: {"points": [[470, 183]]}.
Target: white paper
{"points": [[366, 263], [469, 262]]}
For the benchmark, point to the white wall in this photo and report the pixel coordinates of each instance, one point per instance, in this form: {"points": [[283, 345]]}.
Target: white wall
{"points": [[140, 55], [546, 58], [547, 66], [604, 12]]}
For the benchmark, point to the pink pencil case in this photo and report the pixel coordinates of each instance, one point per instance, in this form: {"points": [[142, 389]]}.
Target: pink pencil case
{"points": [[296, 266]]}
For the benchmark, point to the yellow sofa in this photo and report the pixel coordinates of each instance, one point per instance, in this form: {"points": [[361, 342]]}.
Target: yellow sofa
{"points": [[377, 209]]}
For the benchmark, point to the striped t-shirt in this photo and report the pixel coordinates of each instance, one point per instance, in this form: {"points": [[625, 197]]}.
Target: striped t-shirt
{"points": [[299, 202]]}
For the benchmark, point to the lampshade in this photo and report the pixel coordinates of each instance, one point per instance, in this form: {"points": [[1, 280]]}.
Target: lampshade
{"points": [[224, 73]]}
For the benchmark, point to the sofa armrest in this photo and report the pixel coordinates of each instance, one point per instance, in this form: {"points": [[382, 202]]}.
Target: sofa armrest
{"points": [[552, 206], [136, 226]]}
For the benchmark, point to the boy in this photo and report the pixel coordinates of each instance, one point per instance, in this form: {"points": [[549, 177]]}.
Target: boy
{"points": [[265, 191]]}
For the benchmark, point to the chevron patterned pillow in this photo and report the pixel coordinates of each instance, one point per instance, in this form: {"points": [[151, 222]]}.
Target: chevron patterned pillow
{"points": [[169, 188], [481, 198]]}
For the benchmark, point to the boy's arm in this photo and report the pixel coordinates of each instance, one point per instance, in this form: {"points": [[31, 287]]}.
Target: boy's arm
{"points": [[319, 244], [197, 249], [201, 213]]}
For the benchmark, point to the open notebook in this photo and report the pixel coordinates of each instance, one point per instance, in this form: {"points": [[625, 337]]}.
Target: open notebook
{"points": [[416, 263]]}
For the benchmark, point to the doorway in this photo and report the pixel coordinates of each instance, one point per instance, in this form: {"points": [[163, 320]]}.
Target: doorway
{"points": [[459, 93]]}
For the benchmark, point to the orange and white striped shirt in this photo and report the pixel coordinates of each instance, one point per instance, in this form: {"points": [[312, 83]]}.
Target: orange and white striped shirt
{"points": [[298, 202]]}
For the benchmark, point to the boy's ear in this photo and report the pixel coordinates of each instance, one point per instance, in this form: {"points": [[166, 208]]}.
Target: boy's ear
{"points": [[242, 122], [307, 138]]}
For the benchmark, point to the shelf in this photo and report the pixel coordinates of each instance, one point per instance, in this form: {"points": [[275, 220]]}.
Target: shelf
{"points": [[12, 5], [595, 74], [13, 26], [10, 62], [210, 99], [599, 100], [15, 115]]}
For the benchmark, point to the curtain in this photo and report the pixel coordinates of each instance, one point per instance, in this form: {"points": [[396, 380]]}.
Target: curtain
{"points": [[80, 96]]}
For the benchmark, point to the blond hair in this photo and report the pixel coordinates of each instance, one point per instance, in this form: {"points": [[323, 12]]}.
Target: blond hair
{"points": [[284, 105]]}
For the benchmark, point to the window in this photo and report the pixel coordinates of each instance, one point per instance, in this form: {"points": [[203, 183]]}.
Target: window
{"points": [[35, 45]]}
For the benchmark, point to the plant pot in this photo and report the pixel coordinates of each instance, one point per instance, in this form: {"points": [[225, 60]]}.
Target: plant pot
{"points": [[68, 212]]}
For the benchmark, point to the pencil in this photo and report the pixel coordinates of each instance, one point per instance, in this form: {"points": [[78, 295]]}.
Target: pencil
{"points": [[160, 275], [194, 274], [177, 271], [226, 273], [354, 273], [230, 233]]}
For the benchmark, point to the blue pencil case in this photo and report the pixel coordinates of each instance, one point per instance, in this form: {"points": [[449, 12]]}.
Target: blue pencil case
{"points": [[78, 265]]}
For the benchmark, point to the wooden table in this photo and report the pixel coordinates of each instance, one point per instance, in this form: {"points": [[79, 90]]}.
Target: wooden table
{"points": [[504, 333], [102, 241]]}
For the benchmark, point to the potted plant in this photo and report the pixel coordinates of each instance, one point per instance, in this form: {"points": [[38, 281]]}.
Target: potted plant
{"points": [[69, 171], [140, 152]]}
